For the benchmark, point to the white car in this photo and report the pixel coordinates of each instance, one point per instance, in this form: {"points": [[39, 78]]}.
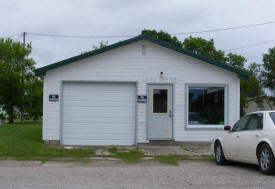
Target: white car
{"points": [[251, 140]]}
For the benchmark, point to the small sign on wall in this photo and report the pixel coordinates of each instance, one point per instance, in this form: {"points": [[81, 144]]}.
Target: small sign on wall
{"points": [[53, 97], [142, 99]]}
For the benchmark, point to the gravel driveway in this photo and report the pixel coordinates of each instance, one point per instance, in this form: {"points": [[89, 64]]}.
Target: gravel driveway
{"points": [[110, 174]]}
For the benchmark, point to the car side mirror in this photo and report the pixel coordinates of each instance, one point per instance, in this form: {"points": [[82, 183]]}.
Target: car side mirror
{"points": [[227, 128]]}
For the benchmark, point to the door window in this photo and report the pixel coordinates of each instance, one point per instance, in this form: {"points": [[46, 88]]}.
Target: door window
{"points": [[255, 122], [241, 124], [160, 100]]}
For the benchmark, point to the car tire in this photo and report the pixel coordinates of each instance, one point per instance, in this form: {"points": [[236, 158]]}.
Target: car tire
{"points": [[266, 160], [219, 155]]}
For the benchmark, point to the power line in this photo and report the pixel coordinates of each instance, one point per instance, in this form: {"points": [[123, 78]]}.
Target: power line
{"points": [[80, 36], [224, 29], [119, 36], [251, 45], [183, 33], [110, 36]]}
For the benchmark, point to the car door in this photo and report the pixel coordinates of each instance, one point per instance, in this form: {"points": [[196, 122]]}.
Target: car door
{"points": [[231, 143], [250, 137]]}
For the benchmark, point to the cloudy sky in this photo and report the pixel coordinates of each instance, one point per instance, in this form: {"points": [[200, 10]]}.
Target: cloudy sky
{"points": [[129, 17]]}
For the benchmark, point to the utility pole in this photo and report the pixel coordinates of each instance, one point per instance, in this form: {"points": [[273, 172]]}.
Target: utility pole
{"points": [[23, 80], [24, 39]]}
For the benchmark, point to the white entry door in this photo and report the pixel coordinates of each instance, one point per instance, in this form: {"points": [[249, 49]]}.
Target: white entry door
{"points": [[160, 112], [98, 113]]}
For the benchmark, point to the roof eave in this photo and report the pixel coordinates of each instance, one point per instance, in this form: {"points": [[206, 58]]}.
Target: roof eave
{"points": [[42, 71]]}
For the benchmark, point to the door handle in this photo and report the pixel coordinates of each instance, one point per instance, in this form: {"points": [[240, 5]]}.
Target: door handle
{"points": [[237, 136], [170, 113], [257, 135]]}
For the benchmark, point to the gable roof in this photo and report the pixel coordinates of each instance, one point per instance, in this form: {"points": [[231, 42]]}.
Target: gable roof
{"points": [[42, 71]]}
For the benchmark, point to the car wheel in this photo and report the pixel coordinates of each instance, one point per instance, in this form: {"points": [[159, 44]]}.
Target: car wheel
{"points": [[219, 156], [266, 160]]}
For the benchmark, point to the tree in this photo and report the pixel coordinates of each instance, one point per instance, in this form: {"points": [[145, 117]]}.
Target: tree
{"points": [[33, 98], [235, 60], [251, 88], [204, 47], [198, 45], [268, 73], [162, 36], [102, 44], [16, 77]]}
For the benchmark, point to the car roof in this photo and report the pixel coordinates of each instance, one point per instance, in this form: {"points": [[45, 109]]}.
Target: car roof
{"points": [[265, 111]]}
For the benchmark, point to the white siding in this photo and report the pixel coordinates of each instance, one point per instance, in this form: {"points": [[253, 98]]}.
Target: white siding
{"points": [[127, 64]]}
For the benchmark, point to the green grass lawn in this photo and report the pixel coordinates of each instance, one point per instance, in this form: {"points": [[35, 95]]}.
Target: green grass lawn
{"points": [[24, 142]]}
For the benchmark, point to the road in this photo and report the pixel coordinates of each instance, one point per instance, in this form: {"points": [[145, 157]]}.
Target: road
{"points": [[113, 174]]}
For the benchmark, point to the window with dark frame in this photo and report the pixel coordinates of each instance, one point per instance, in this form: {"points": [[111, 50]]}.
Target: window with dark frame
{"points": [[206, 105]]}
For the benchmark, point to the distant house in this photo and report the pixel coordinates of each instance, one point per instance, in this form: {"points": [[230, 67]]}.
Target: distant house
{"points": [[138, 91], [265, 105], [2, 115]]}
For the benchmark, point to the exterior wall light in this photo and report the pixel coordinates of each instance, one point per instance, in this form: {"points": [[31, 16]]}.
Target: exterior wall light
{"points": [[161, 75]]}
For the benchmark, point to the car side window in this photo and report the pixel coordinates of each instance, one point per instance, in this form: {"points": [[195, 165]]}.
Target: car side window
{"points": [[241, 124], [255, 122], [272, 115]]}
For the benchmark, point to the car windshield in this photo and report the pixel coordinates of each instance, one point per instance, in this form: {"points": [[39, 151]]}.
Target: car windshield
{"points": [[272, 115]]}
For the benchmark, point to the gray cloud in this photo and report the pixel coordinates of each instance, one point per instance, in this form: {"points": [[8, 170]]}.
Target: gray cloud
{"points": [[124, 17]]}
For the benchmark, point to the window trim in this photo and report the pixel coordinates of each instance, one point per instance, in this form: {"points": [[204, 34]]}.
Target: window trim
{"points": [[203, 85]]}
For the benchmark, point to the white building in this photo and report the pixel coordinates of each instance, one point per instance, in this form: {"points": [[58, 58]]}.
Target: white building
{"points": [[136, 91], [2, 115], [264, 106]]}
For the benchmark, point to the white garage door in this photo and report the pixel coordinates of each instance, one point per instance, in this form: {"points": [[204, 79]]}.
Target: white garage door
{"points": [[98, 114]]}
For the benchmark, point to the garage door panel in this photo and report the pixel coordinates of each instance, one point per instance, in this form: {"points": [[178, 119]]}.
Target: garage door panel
{"points": [[114, 97], [98, 86], [97, 128], [101, 136], [96, 91], [97, 142], [99, 111], [78, 120], [98, 114], [87, 103]]}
